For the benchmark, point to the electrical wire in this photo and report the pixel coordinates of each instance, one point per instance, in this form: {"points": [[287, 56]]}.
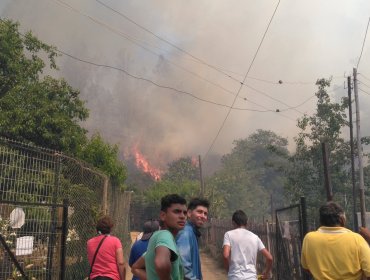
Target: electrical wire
{"points": [[174, 89], [161, 86], [245, 77], [362, 83], [184, 69], [364, 76], [272, 98], [135, 41], [363, 43], [145, 48], [364, 91], [157, 84], [168, 42], [197, 59]]}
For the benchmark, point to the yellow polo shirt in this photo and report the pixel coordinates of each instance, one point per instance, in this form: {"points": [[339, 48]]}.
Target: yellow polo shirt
{"points": [[335, 253]]}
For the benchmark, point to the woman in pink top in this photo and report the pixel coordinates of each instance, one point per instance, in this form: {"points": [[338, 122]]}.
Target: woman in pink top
{"points": [[109, 263]]}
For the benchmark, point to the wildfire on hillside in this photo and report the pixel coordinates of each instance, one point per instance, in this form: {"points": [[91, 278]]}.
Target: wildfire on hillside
{"points": [[143, 164]]}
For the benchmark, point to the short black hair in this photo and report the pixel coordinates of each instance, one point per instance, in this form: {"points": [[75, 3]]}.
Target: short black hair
{"points": [[240, 218], [331, 214], [170, 199], [104, 225], [195, 202]]}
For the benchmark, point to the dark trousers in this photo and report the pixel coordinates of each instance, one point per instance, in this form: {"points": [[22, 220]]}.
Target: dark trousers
{"points": [[102, 278]]}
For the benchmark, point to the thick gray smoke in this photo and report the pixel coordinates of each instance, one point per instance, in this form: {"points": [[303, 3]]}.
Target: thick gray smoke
{"points": [[305, 41]]}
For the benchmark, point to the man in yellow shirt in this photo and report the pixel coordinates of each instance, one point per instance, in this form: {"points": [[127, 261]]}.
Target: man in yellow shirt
{"points": [[334, 252]]}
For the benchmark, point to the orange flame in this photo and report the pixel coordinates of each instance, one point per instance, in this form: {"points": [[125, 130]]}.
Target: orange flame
{"points": [[143, 164]]}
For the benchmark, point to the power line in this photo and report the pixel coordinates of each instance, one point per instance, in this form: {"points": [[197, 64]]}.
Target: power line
{"points": [[362, 83], [363, 44], [161, 86], [364, 76], [299, 105], [168, 42], [174, 89], [145, 48], [272, 98], [150, 51], [168, 87], [368, 93], [184, 69], [197, 59], [245, 77], [157, 84]]}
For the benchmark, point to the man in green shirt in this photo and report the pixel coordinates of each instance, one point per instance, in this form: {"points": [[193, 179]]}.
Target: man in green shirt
{"points": [[162, 260]]}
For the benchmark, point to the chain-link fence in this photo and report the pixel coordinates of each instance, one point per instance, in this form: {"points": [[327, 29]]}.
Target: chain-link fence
{"points": [[35, 184]]}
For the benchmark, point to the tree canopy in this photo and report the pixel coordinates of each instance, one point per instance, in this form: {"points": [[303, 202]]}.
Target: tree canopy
{"points": [[251, 174], [305, 173], [35, 108], [40, 109]]}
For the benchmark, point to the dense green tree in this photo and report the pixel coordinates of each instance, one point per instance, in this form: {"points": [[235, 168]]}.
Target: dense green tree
{"points": [[105, 157], [305, 173], [161, 188], [181, 170], [251, 174], [36, 108], [182, 177]]}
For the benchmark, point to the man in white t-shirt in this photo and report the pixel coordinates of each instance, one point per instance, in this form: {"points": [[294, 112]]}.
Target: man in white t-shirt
{"points": [[240, 250]]}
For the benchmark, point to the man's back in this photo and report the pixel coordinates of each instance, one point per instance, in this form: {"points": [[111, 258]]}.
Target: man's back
{"points": [[335, 253], [244, 248]]}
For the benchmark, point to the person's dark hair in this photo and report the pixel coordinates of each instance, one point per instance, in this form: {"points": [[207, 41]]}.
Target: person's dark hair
{"points": [[240, 218], [104, 225], [331, 214], [195, 202], [170, 199]]}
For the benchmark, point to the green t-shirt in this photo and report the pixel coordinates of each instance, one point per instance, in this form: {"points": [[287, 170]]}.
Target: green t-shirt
{"points": [[166, 239]]}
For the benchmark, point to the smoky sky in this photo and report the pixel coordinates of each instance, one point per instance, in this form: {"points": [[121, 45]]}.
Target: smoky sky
{"points": [[306, 40]]}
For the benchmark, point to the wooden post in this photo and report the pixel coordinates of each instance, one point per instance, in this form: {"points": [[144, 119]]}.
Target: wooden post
{"points": [[354, 192], [359, 151], [105, 196], [328, 187]]}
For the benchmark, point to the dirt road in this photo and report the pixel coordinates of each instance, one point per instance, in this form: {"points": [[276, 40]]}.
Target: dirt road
{"points": [[211, 269]]}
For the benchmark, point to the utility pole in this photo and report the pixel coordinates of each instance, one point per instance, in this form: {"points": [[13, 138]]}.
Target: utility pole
{"points": [[201, 178], [328, 186], [359, 151], [354, 193]]}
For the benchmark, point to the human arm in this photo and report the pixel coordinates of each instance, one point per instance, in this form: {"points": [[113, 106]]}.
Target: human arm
{"points": [[121, 264], [226, 257], [268, 263], [162, 262], [138, 268], [364, 255], [365, 233], [183, 242]]}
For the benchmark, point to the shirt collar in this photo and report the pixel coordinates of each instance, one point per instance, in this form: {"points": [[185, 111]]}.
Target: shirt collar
{"points": [[333, 230], [195, 229]]}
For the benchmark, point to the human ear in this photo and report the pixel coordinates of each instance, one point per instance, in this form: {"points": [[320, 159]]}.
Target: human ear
{"points": [[342, 220]]}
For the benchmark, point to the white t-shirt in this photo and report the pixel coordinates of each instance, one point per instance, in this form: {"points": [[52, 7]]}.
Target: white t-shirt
{"points": [[244, 247]]}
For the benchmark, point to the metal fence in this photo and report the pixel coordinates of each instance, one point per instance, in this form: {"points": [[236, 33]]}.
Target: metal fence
{"points": [[35, 184], [283, 239], [290, 230]]}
